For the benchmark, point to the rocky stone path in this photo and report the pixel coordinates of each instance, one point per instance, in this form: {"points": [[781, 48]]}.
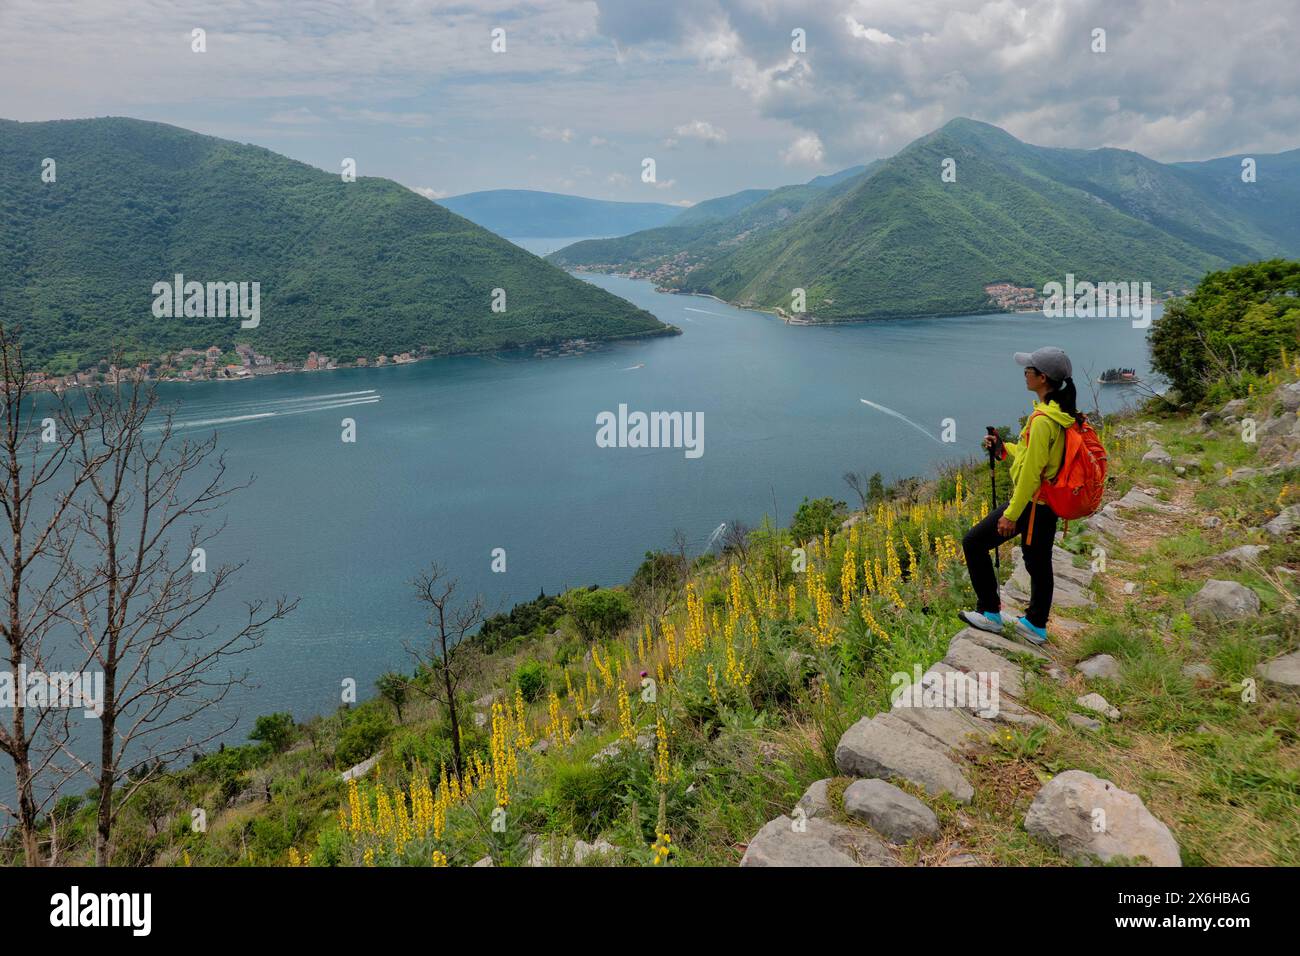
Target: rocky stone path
{"points": [[924, 746]]}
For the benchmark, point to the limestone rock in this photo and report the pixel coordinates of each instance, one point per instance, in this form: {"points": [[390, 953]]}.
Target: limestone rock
{"points": [[361, 769], [1000, 644], [1071, 583], [1065, 815], [1285, 522], [487, 700], [895, 814], [815, 801], [815, 842], [1107, 522], [1289, 396], [548, 852], [1135, 500], [486, 861], [1245, 554], [970, 657], [1157, 455], [1099, 665], [1097, 704], [872, 749], [582, 849], [1237, 475], [1283, 670], [643, 742], [1198, 671], [1082, 722], [1223, 601], [949, 728], [1232, 410]]}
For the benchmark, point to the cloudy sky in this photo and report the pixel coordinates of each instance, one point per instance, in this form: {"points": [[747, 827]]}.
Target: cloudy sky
{"points": [[711, 89]]}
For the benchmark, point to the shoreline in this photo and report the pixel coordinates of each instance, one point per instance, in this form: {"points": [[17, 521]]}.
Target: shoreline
{"points": [[789, 319], [667, 330]]}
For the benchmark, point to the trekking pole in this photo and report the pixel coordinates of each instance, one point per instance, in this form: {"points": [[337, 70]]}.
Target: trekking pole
{"points": [[993, 485]]}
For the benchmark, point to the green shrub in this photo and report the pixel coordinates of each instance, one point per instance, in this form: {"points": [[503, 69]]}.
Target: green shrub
{"points": [[331, 848], [584, 797], [274, 730], [531, 680], [1236, 320], [815, 516], [364, 732], [600, 613]]}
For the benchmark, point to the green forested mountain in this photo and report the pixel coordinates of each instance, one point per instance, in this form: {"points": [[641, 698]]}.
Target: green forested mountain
{"points": [[1270, 203], [897, 240], [706, 230], [724, 207], [348, 269], [720, 208], [523, 213]]}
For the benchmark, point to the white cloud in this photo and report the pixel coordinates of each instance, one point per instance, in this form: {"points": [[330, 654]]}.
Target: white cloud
{"points": [[428, 192], [551, 133], [702, 130], [807, 150], [868, 33], [1212, 79], [879, 73]]}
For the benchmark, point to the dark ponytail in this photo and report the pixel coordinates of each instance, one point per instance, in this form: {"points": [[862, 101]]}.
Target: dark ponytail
{"points": [[1064, 395]]}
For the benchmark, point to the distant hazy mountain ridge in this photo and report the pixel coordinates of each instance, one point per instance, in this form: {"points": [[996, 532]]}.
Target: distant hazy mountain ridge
{"points": [[525, 213]]}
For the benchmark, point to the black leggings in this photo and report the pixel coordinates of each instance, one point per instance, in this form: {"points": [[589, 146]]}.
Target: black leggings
{"points": [[984, 537]]}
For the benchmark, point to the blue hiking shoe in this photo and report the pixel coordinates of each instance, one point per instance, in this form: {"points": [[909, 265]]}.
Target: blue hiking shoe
{"points": [[1030, 632], [990, 621]]}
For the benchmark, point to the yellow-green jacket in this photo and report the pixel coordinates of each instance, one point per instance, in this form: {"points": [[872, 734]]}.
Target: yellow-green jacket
{"points": [[1037, 456]]}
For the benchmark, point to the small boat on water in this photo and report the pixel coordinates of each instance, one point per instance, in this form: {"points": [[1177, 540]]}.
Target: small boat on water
{"points": [[1119, 376]]}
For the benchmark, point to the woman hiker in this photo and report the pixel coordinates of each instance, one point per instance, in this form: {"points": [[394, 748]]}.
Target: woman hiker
{"points": [[1034, 459]]}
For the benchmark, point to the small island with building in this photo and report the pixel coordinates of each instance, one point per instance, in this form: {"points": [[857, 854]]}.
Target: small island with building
{"points": [[1119, 376]]}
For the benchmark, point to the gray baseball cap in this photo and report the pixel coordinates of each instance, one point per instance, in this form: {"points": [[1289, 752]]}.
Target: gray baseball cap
{"points": [[1049, 360]]}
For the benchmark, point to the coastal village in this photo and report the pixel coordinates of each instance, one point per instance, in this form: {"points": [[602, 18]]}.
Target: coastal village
{"points": [[244, 362], [211, 364], [1021, 298]]}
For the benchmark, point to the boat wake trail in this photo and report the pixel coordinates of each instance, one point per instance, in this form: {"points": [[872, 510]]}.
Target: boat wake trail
{"points": [[278, 408], [901, 417]]}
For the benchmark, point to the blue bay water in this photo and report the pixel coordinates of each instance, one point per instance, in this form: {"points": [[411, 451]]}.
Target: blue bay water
{"points": [[456, 457]]}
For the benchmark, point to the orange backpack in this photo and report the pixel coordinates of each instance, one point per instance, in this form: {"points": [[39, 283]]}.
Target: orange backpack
{"points": [[1077, 489]]}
